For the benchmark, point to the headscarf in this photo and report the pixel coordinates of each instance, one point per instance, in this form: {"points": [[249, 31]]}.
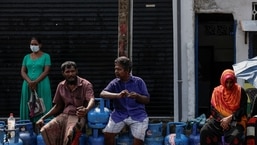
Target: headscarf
{"points": [[226, 101]]}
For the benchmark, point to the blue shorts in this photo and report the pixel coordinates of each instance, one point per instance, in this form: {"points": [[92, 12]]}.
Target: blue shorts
{"points": [[137, 128]]}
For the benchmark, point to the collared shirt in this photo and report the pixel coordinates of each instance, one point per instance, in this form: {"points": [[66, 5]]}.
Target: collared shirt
{"points": [[125, 107], [75, 98]]}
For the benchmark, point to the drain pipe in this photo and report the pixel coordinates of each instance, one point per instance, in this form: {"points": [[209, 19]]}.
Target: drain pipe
{"points": [[177, 58], [131, 2]]}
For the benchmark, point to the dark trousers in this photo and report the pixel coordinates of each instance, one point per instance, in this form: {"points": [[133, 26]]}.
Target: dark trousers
{"points": [[211, 134]]}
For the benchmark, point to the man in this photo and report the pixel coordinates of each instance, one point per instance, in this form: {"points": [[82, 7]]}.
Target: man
{"points": [[129, 94], [74, 97]]}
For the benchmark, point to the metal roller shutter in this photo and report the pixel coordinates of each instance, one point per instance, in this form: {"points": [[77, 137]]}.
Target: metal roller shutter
{"points": [[86, 31], [79, 30], [153, 52]]}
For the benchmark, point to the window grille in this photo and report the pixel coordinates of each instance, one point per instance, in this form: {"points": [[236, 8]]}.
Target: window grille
{"points": [[254, 11]]}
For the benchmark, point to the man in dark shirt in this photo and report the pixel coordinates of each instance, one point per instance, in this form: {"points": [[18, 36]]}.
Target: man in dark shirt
{"points": [[129, 94]]}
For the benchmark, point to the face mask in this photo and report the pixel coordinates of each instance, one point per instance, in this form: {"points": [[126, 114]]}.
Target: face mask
{"points": [[34, 48]]}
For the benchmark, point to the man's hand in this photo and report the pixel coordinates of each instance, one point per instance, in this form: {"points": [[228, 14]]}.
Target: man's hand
{"points": [[123, 94], [40, 123], [133, 95], [81, 111]]}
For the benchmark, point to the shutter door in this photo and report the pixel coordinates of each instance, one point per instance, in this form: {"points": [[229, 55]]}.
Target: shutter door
{"points": [[86, 31], [81, 30], [153, 52]]}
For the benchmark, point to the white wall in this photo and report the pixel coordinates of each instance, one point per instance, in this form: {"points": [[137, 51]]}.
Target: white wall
{"points": [[187, 55]]}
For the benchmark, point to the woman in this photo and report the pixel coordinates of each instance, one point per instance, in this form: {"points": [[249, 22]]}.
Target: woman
{"points": [[34, 71], [228, 113]]}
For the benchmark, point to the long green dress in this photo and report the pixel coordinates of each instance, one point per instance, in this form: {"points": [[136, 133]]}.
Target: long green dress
{"points": [[34, 68]]}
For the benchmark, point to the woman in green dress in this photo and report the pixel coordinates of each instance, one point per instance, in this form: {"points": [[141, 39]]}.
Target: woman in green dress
{"points": [[34, 71]]}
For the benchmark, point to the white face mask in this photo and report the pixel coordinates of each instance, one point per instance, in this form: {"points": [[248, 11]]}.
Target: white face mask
{"points": [[34, 48]]}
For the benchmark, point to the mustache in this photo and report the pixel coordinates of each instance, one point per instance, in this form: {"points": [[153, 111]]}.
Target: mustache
{"points": [[71, 80]]}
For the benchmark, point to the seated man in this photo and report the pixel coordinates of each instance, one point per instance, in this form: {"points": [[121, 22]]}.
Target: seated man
{"points": [[129, 94], [73, 99]]}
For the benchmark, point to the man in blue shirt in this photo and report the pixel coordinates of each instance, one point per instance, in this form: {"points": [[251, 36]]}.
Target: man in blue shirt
{"points": [[129, 94]]}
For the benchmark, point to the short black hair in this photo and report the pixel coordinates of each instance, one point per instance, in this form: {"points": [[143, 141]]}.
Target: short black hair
{"points": [[124, 62], [68, 64]]}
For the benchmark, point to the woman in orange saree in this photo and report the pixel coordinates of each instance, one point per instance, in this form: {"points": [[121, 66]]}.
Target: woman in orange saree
{"points": [[228, 113]]}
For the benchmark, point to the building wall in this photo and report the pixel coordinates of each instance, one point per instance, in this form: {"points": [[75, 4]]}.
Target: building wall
{"points": [[184, 49], [241, 10]]}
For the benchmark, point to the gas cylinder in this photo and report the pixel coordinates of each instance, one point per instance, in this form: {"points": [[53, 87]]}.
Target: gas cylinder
{"points": [[154, 130], [26, 132], [154, 140], [96, 138], [125, 138], [194, 138], [82, 139], [4, 137], [178, 138], [154, 134], [99, 116], [40, 140]]}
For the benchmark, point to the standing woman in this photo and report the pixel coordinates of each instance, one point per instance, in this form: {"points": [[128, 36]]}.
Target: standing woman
{"points": [[34, 71]]}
